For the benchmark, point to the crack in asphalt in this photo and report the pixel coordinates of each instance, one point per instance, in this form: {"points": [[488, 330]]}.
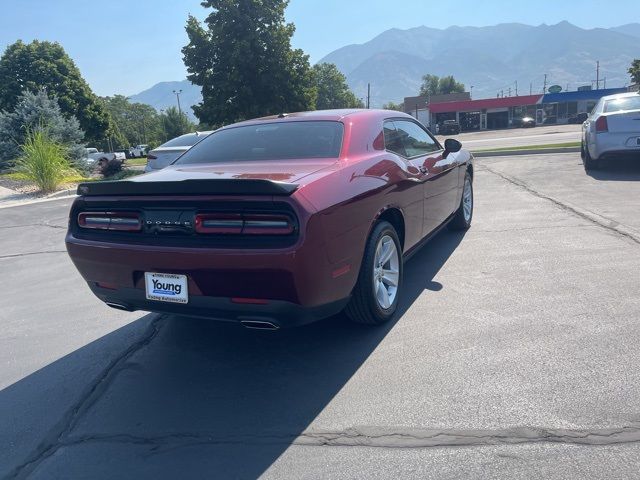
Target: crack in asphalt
{"points": [[380, 437], [28, 254], [58, 435], [610, 225], [59, 227]]}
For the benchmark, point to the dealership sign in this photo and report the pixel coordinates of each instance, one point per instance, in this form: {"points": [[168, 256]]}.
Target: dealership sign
{"points": [[555, 89]]}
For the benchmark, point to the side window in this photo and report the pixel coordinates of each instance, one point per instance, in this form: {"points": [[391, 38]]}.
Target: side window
{"points": [[392, 140], [416, 141]]}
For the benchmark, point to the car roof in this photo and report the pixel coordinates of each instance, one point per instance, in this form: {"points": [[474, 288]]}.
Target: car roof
{"points": [[326, 115], [621, 95]]}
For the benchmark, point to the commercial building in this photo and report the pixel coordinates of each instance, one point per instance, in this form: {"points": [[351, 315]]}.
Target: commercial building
{"points": [[504, 112]]}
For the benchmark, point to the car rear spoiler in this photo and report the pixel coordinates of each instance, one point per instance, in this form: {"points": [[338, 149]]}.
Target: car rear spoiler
{"points": [[189, 187]]}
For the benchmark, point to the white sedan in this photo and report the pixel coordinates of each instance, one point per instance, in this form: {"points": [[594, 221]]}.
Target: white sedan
{"points": [[165, 154], [612, 129]]}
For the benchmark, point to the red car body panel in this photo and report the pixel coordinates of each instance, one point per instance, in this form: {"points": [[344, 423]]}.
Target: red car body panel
{"points": [[336, 204]]}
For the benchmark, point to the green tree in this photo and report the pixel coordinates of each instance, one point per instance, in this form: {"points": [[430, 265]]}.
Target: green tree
{"points": [[394, 106], [243, 60], [634, 71], [36, 112], [134, 123], [29, 67], [333, 91], [434, 85], [176, 123]]}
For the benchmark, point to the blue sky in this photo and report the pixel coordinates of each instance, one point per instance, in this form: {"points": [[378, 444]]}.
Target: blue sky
{"points": [[125, 46]]}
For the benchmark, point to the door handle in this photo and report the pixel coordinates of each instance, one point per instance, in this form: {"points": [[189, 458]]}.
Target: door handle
{"points": [[423, 169]]}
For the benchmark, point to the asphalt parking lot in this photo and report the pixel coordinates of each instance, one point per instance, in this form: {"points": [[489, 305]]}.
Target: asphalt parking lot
{"points": [[515, 356]]}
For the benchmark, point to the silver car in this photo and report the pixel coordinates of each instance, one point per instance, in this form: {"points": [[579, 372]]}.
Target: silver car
{"points": [[165, 154], [612, 129]]}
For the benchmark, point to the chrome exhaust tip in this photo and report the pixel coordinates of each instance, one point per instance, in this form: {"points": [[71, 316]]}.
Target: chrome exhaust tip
{"points": [[259, 325], [119, 306]]}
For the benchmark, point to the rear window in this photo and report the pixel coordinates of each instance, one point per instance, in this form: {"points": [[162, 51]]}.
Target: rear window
{"points": [[622, 104], [269, 141], [184, 141]]}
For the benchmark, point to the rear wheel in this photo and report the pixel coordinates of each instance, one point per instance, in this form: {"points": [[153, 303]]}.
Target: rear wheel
{"points": [[375, 296], [589, 162], [464, 214]]}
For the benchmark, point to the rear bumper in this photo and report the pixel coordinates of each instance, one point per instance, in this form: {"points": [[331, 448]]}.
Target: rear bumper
{"points": [[293, 286], [280, 314], [613, 144]]}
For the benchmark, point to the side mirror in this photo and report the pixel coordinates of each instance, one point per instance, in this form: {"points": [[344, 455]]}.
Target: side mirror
{"points": [[451, 145]]}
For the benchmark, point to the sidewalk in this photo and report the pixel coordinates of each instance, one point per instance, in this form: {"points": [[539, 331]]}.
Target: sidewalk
{"points": [[11, 198]]}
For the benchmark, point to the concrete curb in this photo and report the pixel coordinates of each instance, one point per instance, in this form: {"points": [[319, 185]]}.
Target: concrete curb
{"points": [[16, 202], [539, 151]]}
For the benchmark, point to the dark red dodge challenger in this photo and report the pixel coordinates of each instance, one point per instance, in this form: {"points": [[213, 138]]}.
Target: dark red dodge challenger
{"points": [[275, 222]]}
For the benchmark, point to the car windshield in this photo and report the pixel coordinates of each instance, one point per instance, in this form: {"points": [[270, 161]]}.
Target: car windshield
{"points": [[187, 140], [269, 141], [622, 104]]}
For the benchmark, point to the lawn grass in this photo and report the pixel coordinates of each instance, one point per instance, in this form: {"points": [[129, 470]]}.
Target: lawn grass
{"points": [[530, 147], [140, 162]]}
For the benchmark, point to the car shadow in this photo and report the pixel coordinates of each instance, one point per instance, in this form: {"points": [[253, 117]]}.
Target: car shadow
{"points": [[205, 399], [619, 169]]}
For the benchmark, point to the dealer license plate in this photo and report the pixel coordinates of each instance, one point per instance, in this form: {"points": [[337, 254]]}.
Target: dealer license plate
{"points": [[166, 287]]}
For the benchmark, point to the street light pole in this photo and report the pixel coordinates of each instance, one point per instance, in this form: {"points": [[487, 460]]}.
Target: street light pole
{"points": [[177, 94], [471, 92]]}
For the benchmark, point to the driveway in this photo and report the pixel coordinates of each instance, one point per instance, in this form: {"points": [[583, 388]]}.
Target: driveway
{"points": [[515, 356]]}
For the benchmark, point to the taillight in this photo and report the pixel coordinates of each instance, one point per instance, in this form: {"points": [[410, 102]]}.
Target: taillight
{"points": [[120, 221], [602, 125], [244, 224]]}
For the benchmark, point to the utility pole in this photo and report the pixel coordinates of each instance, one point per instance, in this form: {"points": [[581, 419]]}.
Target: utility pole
{"points": [[598, 75], [544, 89], [368, 96], [509, 91], [164, 128], [177, 94], [605, 83], [531, 88], [516, 88], [502, 93], [471, 92]]}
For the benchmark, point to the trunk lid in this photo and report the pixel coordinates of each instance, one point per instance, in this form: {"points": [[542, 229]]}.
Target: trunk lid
{"points": [[624, 122]]}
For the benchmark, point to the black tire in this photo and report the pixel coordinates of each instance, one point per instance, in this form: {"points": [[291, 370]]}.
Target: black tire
{"points": [[364, 307], [459, 220], [589, 162]]}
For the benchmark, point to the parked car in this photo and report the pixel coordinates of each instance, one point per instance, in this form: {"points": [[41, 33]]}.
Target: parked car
{"points": [[95, 156], [612, 129], [138, 151], [578, 118], [524, 122], [276, 221], [449, 127], [165, 154]]}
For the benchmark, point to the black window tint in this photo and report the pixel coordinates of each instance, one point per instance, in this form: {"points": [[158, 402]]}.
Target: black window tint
{"points": [[392, 140], [416, 140], [269, 141]]}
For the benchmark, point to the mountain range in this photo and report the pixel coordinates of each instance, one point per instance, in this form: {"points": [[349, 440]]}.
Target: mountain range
{"points": [[492, 59]]}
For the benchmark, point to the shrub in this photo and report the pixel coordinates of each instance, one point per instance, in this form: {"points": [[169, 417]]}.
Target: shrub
{"points": [[44, 161], [109, 168], [38, 111]]}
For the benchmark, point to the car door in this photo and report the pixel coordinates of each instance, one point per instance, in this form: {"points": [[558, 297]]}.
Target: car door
{"points": [[413, 197], [439, 171]]}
